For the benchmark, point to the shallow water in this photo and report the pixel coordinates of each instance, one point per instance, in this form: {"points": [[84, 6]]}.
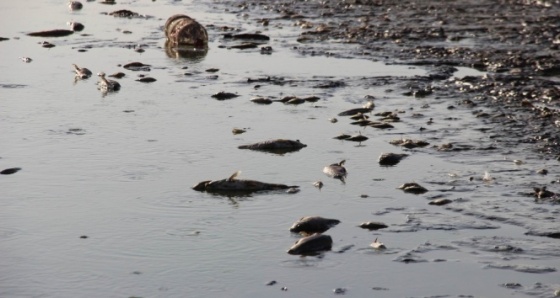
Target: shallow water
{"points": [[118, 168]]}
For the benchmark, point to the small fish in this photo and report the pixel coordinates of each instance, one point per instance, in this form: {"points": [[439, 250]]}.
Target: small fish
{"points": [[378, 245], [311, 245], [336, 170]]}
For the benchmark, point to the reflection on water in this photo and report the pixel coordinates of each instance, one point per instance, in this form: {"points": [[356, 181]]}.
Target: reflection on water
{"points": [[192, 54], [119, 170]]}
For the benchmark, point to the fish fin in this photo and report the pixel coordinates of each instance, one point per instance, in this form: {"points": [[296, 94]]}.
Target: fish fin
{"points": [[232, 177], [342, 162]]}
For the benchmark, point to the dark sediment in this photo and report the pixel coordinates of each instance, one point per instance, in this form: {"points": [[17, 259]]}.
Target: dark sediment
{"points": [[515, 41]]}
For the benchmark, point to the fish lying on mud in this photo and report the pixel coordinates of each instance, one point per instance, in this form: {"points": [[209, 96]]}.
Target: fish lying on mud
{"points": [[311, 245], [278, 146], [313, 224], [233, 185]]}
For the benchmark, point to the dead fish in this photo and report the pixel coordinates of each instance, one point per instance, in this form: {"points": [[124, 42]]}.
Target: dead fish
{"points": [[295, 101], [246, 36], [118, 75], [137, 66], [311, 98], [378, 245], [75, 5], [82, 72], [237, 131], [352, 112], [373, 225], [391, 159], [224, 95], [108, 85], [380, 125], [542, 193], [75, 26], [234, 185], [318, 184], [261, 100], [124, 13], [357, 138], [440, 202], [275, 146], [146, 80], [245, 45], [46, 44], [408, 143], [336, 170], [313, 224], [342, 137], [311, 245], [52, 33], [285, 99], [413, 187], [10, 171]]}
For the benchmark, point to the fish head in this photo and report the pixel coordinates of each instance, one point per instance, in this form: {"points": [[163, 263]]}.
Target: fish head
{"points": [[201, 186]]}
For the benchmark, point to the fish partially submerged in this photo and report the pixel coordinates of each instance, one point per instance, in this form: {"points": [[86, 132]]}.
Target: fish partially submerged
{"points": [[311, 245], [336, 170], [313, 224], [233, 185], [279, 146]]}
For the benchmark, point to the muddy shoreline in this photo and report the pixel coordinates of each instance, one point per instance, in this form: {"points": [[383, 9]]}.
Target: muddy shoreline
{"points": [[515, 42]]}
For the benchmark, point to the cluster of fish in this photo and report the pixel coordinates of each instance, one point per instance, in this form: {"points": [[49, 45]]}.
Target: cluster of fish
{"points": [[105, 84], [314, 241]]}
